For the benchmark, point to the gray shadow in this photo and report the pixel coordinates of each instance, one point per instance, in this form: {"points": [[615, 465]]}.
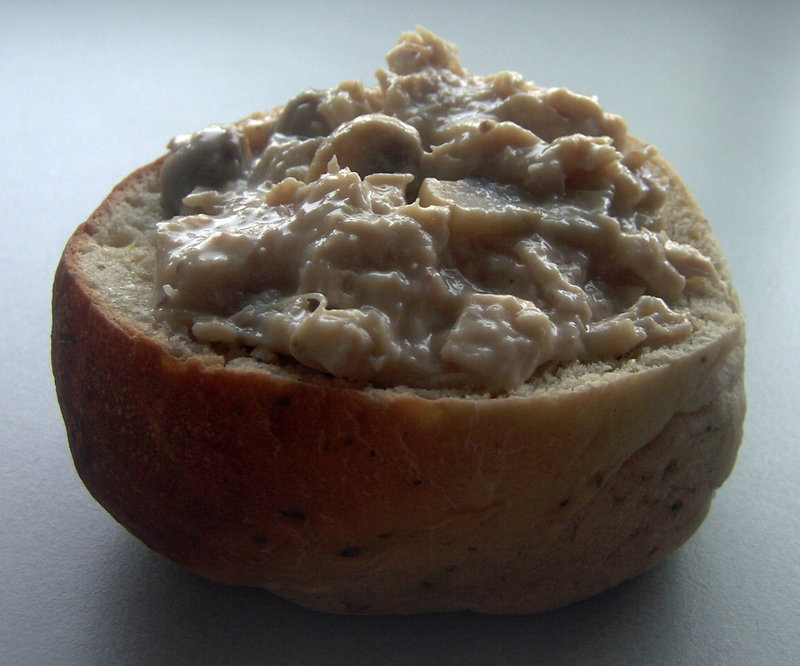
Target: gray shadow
{"points": [[151, 611]]}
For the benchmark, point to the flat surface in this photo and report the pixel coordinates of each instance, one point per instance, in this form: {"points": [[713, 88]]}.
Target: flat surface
{"points": [[92, 90]]}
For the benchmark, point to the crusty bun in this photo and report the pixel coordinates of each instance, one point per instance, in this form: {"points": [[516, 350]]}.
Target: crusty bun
{"points": [[356, 499]]}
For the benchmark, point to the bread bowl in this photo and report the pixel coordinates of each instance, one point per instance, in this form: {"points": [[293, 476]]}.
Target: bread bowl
{"points": [[361, 483]]}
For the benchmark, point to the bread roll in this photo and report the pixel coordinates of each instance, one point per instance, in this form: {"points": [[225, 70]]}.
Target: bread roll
{"points": [[349, 494]]}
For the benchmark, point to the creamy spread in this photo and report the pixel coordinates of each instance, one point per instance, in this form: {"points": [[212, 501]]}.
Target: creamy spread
{"points": [[438, 230]]}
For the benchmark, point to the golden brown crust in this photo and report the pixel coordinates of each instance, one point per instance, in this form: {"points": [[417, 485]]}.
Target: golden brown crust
{"points": [[380, 501]]}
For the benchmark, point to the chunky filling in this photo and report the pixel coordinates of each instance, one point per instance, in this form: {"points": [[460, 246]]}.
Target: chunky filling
{"points": [[437, 230]]}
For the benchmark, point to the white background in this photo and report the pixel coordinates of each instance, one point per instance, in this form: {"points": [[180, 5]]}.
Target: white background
{"points": [[89, 91]]}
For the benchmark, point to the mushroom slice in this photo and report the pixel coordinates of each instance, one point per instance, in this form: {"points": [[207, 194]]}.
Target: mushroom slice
{"points": [[372, 143]]}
